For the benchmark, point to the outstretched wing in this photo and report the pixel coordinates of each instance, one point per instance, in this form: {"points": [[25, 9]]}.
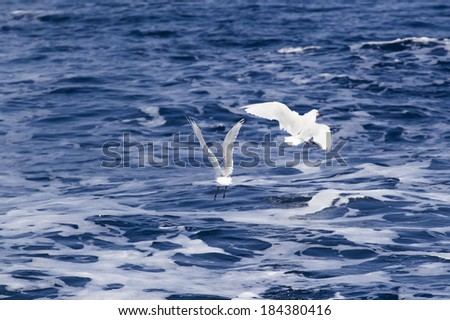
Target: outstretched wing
{"points": [[289, 120], [211, 157], [228, 147], [321, 135]]}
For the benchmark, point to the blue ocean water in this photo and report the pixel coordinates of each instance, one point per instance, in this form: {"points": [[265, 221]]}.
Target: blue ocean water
{"points": [[75, 75]]}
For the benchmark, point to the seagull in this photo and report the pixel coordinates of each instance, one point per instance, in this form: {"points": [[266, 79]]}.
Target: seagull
{"points": [[223, 176], [302, 128]]}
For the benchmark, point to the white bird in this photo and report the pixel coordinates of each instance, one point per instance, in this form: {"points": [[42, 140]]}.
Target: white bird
{"points": [[302, 128], [223, 176]]}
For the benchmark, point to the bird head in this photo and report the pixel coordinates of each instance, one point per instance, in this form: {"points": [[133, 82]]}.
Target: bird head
{"points": [[315, 112], [312, 114]]}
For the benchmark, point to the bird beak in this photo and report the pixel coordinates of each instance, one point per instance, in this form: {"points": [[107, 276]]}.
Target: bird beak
{"points": [[318, 114]]}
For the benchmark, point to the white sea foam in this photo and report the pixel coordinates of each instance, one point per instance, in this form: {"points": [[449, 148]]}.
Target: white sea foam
{"points": [[22, 12], [447, 45], [156, 121], [246, 280], [55, 195], [297, 49], [329, 76], [366, 235], [16, 122], [431, 269], [423, 40]]}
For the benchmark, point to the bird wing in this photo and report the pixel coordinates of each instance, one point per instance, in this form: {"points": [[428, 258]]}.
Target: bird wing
{"points": [[228, 147], [289, 120], [321, 135], [211, 157]]}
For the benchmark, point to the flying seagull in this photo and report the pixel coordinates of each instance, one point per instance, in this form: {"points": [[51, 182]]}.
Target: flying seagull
{"points": [[302, 128], [223, 175]]}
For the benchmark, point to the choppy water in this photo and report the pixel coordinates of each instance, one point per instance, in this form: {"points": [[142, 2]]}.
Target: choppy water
{"points": [[76, 74]]}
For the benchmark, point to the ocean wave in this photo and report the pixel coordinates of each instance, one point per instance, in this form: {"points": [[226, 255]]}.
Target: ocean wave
{"points": [[76, 76], [157, 120], [288, 50], [393, 43]]}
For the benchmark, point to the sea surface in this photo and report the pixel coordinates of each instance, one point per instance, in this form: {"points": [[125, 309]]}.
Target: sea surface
{"points": [[98, 201]]}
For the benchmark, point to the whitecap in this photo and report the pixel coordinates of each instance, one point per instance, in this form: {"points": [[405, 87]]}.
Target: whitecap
{"points": [[447, 44], [287, 50], [157, 119], [22, 12], [423, 40]]}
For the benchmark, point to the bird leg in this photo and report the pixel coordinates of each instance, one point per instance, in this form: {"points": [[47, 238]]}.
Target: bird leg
{"points": [[217, 190], [224, 191]]}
